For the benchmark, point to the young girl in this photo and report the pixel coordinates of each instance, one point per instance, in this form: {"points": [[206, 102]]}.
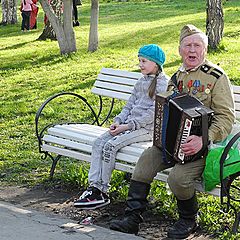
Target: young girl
{"points": [[26, 9], [133, 124]]}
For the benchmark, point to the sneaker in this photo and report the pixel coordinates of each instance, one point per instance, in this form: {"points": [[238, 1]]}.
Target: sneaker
{"points": [[92, 198]]}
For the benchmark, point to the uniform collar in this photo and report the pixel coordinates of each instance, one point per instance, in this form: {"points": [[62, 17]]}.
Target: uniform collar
{"points": [[183, 69]]}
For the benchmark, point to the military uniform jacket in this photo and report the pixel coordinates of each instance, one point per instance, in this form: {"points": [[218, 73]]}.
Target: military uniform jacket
{"points": [[212, 87]]}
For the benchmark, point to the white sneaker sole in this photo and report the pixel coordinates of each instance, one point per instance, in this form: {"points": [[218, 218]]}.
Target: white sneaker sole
{"points": [[93, 206]]}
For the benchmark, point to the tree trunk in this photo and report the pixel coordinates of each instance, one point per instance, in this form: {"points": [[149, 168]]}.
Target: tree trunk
{"points": [[214, 22], [9, 12], [93, 33], [69, 35], [48, 32], [64, 31]]}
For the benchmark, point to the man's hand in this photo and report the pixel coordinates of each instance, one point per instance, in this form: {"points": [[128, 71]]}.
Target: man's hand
{"points": [[192, 146], [115, 129]]}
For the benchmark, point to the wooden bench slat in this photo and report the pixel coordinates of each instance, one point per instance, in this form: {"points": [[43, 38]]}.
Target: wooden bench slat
{"points": [[237, 98], [111, 94], [237, 114], [66, 152], [81, 155], [84, 129], [95, 131], [128, 150], [91, 128], [71, 135], [117, 79], [67, 143], [123, 73], [236, 89], [237, 106], [114, 87], [143, 145]]}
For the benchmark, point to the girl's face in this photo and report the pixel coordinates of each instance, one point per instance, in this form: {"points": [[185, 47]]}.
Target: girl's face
{"points": [[147, 67]]}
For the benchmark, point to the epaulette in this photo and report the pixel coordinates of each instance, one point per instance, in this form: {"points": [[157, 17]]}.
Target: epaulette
{"points": [[210, 70]]}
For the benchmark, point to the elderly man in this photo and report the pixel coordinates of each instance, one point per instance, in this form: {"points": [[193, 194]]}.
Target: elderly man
{"points": [[209, 83]]}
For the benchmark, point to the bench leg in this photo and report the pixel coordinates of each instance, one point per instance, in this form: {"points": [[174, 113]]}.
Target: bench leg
{"points": [[236, 223], [228, 188], [54, 163]]}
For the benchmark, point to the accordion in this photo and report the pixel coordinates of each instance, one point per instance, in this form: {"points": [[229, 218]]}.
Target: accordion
{"points": [[176, 118]]}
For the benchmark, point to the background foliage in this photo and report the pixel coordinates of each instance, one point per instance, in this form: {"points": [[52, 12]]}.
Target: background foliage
{"points": [[31, 71]]}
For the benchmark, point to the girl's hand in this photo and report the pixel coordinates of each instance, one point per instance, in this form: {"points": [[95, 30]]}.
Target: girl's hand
{"points": [[113, 126], [116, 129]]}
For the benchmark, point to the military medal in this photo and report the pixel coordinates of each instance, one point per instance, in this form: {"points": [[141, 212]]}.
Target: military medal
{"points": [[196, 86], [189, 85], [207, 90], [194, 91], [180, 86]]}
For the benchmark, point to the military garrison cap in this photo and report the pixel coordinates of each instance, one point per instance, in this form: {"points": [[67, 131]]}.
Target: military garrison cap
{"points": [[189, 30]]}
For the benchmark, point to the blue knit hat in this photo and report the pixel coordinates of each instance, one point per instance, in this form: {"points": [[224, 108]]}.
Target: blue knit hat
{"points": [[153, 53]]}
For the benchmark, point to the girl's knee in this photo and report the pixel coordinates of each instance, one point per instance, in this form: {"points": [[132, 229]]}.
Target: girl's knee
{"points": [[108, 147]]}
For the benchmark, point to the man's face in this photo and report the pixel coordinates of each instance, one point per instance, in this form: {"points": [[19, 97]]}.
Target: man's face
{"points": [[192, 51], [147, 66]]}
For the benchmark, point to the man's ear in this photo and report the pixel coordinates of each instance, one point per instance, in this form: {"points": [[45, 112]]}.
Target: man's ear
{"points": [[206, 49], [179, 50]]}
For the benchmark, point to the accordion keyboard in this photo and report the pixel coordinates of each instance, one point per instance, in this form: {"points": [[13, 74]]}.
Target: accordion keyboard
{"points": [[185, 134]]}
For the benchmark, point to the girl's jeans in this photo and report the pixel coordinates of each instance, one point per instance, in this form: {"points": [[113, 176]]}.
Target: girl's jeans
{"points": [[104, 153], [25, 20]]}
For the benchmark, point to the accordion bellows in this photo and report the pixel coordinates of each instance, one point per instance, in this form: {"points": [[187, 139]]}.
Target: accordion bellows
{"points": [[176, 118]]}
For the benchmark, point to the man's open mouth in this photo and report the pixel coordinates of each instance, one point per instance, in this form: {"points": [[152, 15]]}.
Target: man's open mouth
{"points": [[192, 57]]}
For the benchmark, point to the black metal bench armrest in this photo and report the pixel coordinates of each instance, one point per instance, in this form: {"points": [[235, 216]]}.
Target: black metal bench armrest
{"points": [[223, 158], [39, 133], [228, 185]]}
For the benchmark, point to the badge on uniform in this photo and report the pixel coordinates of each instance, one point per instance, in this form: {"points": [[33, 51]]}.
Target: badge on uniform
{"points": [[208, 89]]}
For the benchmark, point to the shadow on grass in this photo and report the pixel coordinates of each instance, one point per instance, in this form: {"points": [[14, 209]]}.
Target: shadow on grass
{"points": [[16, 46]]}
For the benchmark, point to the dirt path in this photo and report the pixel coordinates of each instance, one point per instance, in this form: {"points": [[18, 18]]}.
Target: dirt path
{"points": [[59, 201]]}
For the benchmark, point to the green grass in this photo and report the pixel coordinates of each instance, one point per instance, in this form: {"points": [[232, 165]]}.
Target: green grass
{"points": [[31, 71]]}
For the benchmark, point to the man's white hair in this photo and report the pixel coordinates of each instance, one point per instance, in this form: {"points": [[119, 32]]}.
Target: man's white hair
{"points": [[203, 38]]}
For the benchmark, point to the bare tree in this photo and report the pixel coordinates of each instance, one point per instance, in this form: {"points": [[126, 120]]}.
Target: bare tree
{"points": [[214, 22], [93, 33], [9, 12], [63, 29]]}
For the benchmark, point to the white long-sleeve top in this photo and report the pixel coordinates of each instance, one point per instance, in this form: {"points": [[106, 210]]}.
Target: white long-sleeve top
{"points": [[139, 110]]}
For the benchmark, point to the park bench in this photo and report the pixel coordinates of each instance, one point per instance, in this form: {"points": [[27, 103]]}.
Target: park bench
{"points": [[75, 140]]}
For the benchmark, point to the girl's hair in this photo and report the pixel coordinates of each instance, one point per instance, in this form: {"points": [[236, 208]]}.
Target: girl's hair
{"points": [[153, 85], [24, 1]]}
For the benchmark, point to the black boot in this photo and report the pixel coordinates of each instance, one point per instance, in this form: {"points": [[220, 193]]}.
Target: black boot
{"points": [[136, 204], [186, 224]]}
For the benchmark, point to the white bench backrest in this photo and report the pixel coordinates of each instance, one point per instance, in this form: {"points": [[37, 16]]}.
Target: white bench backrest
{"points": [[115, 83], [236, 92], [119, 84]]}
